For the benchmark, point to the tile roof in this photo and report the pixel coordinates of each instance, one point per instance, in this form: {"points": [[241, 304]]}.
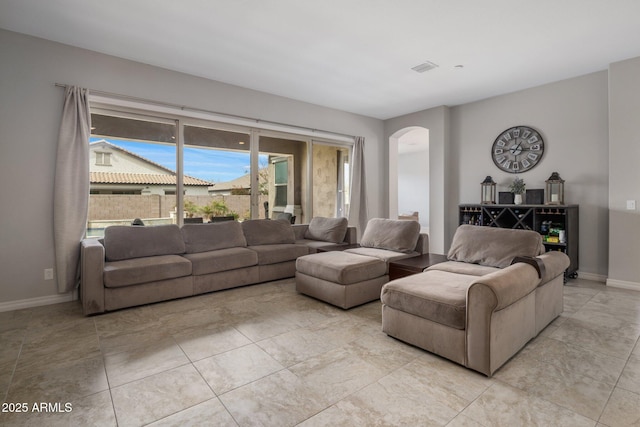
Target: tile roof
{"points": [[142, 178]]}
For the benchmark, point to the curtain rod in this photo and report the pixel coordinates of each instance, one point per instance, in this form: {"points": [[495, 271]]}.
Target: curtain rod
{"points": [[200, 110]]}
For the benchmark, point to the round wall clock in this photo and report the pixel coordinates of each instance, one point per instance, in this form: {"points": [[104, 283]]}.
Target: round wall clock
{"points": [[517, 149]]}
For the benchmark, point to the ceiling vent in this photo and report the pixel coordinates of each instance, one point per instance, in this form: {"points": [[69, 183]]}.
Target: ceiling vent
{"points": [[424, 67]]}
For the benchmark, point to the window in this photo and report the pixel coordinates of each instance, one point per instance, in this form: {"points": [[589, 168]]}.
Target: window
{"points": [[103, 159], [164, 168], [280, 181]]}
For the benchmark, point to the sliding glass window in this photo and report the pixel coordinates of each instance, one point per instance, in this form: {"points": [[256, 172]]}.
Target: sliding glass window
{"points": [[132, 171], [174, 170]]}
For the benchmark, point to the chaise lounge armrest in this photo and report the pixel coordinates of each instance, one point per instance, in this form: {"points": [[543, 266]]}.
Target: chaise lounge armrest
{"points": [[532, 261], [91, 274], [555, 264], [495, 330]]}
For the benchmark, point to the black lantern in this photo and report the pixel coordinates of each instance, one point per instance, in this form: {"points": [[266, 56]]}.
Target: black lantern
{"points": [[555, 190], [488, 191]]}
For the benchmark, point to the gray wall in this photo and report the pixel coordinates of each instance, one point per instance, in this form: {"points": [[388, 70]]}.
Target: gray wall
{"points": [[30, 109], [624, 177], [573, 120]]}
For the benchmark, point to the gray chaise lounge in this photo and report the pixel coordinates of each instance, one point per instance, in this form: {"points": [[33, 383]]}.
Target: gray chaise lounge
{"points": [[477, 309]]}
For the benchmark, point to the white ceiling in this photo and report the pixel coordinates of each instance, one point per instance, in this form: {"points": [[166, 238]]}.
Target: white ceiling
{"points": [[353, 55]]}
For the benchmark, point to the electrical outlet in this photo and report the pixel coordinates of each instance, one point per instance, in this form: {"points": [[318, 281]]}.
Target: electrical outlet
{"points": [[48, 274], [631, 205]]}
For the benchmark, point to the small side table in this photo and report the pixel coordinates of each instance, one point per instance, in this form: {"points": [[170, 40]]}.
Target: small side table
{"points": [[414, 265]]}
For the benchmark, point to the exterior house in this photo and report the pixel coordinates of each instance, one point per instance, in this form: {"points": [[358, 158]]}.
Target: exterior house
{"points": [[114, 170]]}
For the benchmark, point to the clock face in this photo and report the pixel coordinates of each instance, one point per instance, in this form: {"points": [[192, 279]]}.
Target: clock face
{"points": [[517, 149]]}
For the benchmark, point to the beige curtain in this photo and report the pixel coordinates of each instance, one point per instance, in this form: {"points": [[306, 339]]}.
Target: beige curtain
{"points": [[71, 190], [358, 213]]}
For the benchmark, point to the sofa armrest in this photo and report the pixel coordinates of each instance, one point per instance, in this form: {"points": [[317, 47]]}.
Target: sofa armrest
{"points": [[299, 230], [555, 264], [422, 247], [91, 276], [490, 340], [351, 237]]}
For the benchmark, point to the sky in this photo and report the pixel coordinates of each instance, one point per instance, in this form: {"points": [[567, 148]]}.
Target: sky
{"points": [[210, 165]]}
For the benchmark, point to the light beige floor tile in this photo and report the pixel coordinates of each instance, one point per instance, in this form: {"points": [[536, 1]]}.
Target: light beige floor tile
{"points": [[440, 380], [126, 321], [209, 413], [94, 410], [17, 319], [202, 342], [384, 352], [113, 344], [279, 400], [295, 346], [623, 409], [463, 421], [384, 405], [57, 314], [344, 329], [336, 374], [265, 325], [158, 396], [562, 386], [599, 340], [630, 378], [10, 345], [139, 363], [75, 380], [179, 322], [502, 405], [570, 357], [237, 367], [42, 351], [618, 322]]}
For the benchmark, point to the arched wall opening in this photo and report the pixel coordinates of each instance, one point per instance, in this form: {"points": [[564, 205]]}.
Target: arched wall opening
{"points": [[409, 175]]}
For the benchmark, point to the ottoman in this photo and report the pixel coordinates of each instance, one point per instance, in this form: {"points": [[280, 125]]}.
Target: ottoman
{"points": [[341, 278]]}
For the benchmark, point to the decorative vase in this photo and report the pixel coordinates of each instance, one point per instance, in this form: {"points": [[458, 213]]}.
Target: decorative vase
{"points": [[517, 199]]}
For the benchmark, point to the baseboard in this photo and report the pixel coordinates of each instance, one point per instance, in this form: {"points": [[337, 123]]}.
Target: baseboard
{"points": [[592, 276], [634, 286], [39, 301]]}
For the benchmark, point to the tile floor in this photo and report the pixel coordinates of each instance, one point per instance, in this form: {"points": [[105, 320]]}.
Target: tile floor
{"points": [[265, 355]]}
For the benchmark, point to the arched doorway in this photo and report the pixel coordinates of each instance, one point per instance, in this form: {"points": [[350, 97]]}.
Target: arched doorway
{"points": [[409, 175]]}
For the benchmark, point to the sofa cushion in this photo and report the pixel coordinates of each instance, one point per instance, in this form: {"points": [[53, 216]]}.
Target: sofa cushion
{"points": [[341, 267], [494, 247], [221, 260], [327, 229], [135, 271], [209, 237], [382, 254], [434, 295], [267, 232], [395, 235], [463, 268], [273, 254], [126, 242]]}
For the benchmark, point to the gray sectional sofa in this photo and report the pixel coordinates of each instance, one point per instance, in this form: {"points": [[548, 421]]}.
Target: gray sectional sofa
{"points": [[136, 265], [479, 308]]}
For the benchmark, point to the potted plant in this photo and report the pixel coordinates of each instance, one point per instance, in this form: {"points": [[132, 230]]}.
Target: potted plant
{"points": [[517, 187]]}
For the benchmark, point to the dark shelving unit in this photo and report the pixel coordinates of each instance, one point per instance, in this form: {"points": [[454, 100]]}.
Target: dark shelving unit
{"points": [[545, 219]]}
